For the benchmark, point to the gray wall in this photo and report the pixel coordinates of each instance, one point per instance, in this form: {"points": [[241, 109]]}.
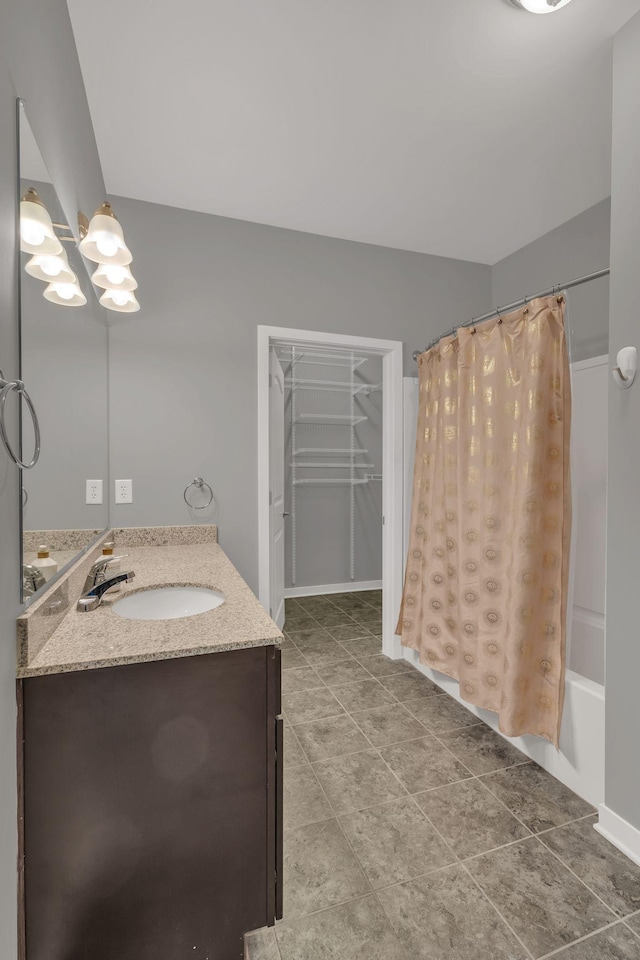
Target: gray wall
{"points": [[622, 782], [183, 370], [64, 361], [38, 62], [578, 247]]}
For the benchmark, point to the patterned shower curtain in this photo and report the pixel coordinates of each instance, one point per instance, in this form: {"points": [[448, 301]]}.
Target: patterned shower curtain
{"points": [[486, 579]]}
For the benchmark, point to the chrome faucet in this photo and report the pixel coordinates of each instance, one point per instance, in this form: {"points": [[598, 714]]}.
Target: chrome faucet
{"points": [[97, 583]]}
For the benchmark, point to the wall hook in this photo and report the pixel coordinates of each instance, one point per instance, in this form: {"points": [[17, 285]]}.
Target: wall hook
{"points": [[624, 374]]}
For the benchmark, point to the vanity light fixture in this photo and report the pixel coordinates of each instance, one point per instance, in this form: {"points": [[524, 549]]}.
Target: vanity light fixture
{"points": [[112, 276], [103, 240], [65, 294], [539, 6], [122, 301], [36, 229], [51, 268]]}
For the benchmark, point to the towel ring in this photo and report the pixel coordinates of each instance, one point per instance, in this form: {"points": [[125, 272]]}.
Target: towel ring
{"points": [[199, 483], [6, 386]]}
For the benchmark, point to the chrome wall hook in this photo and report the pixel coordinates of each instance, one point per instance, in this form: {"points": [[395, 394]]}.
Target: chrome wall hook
{"points": [[625, 373]]}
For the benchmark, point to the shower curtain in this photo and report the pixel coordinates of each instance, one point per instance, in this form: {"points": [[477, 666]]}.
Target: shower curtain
{"points": [[486, 579]]}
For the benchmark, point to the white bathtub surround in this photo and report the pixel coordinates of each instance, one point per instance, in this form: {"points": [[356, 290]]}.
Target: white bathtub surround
{"points": [[579, 762], [586, 621]]}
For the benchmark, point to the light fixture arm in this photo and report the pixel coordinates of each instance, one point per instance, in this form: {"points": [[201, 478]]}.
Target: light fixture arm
{"points": [[32, 196]]}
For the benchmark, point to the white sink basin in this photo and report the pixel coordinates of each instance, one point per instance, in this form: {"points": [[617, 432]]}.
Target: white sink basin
{"points": [[168, 603]]}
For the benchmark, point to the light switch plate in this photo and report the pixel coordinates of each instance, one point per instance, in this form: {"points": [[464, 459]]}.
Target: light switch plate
{"points": [[94, 492], [124, 491]]}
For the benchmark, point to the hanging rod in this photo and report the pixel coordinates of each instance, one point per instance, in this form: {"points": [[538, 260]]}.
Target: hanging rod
{"points": [[514, 306]]}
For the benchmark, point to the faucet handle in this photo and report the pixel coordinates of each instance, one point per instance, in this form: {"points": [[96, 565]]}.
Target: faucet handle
{"points": [[98, 570]]}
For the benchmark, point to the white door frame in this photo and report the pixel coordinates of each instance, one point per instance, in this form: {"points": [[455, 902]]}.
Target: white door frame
{"points": [[392, 463]]}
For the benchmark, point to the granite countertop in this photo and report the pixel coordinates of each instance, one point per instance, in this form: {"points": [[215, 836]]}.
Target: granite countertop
{"points": [[101, 638]]}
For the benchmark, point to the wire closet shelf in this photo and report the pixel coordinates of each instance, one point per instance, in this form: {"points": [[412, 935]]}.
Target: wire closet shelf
{"points": [[314, 374]]}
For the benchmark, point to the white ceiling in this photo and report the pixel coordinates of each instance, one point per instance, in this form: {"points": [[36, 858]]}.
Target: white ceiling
{"points": [[464, 128]]}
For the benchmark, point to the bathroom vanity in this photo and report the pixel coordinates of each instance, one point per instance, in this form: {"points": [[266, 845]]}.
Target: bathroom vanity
{"points": [[150, 767]]}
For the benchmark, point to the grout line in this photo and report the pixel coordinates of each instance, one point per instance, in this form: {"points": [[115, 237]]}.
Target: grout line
{"points": [[249, 954], [469, 874], [331, 716], [314, 913], [587, 936], [494, 907], [457, 863], [559, 826], [340, 827], [342, 756], [512, 812], [630, 916], [295, 765], [586, 885], [475, 882]]}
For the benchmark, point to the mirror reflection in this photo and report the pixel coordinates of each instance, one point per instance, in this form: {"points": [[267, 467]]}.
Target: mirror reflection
{"points": [[64, 366]]}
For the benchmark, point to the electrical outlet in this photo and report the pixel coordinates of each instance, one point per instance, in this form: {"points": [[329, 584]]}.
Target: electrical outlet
{"points": [[94, 491], [124, 491]]}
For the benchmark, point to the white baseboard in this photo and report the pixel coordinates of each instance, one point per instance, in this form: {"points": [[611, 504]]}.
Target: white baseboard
{"points": [[351, 587], [619, 832]]}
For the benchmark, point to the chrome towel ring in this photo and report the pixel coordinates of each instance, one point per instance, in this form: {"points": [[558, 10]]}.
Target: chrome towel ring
{"points": [[6, 386], [200, 484]]}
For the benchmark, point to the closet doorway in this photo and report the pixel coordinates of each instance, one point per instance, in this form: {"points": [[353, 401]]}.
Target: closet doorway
{"points": [[330, 469]]}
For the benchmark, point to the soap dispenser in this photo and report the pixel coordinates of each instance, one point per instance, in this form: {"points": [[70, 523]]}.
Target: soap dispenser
{"points": [[44, 563], [114, 567]]}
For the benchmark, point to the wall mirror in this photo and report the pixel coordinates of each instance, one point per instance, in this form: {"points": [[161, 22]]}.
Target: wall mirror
{"points": [[63, 338]]}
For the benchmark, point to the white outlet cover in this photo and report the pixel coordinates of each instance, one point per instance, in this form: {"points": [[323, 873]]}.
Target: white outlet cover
{"points": [[93, 492], [124, 491]]}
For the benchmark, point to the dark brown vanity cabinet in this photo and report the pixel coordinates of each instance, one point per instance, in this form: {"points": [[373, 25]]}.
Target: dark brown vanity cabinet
{"points": [[151, 795]]}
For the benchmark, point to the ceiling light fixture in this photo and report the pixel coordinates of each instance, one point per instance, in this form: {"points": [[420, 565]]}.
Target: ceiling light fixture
{"points": [[65, 294], [51, 268], [36, 228], [122, 301], [539, 6], [103, 241]]}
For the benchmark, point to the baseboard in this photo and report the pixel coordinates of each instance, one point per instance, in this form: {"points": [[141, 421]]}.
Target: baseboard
{"points": [[351, 587], [619, 832]]}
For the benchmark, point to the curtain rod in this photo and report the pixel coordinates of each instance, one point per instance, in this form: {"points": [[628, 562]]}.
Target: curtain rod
{"points": [[517, 303]]}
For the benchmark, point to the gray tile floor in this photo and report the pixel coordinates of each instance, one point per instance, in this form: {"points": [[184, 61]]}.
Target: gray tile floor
{"points": [[413, 832]]}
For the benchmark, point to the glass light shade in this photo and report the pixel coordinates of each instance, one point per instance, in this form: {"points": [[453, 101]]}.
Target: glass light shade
{"points": [[65, 294], [104, 242], [36, 229], [113, 276], [540, 6], [51, 269], [122, 301]]}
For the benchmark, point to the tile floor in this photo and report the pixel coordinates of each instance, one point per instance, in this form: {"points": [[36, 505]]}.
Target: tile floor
{"points": [[413, 832]]}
